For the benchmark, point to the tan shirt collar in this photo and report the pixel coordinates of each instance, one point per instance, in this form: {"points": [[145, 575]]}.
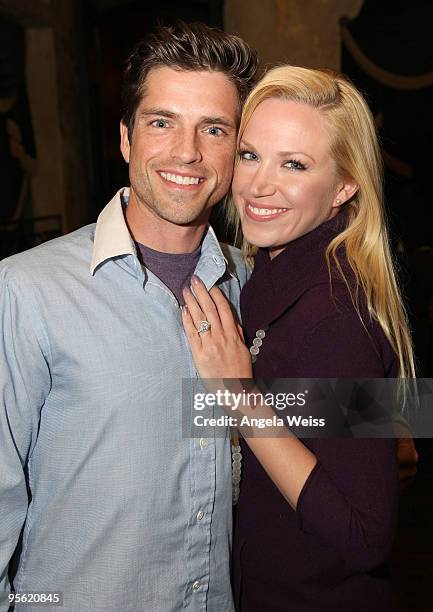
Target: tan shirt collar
{"points": [[112, 237]]}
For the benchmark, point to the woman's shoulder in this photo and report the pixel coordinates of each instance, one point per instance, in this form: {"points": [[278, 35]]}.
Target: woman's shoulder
{"points": [[327, 298], [340, 330]]}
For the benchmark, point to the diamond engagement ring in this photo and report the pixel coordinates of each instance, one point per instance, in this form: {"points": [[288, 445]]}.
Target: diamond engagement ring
{"points": [[203, 326]]}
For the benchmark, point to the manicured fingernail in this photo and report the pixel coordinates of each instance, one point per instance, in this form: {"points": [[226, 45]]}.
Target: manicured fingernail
{"points": [[195, 280], [184, 309], [186, 289]]}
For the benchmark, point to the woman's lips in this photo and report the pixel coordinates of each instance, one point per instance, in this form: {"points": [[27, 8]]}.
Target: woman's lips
{"points": [[263, 213]]}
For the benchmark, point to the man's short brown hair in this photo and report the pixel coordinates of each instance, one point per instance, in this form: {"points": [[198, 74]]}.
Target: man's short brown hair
{"points": [[193, 46]]}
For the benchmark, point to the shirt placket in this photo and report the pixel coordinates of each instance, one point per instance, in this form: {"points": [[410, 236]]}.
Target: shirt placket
{"points": [[203, 463], [202, 452]]}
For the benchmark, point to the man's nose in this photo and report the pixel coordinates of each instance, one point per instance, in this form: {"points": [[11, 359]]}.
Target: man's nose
{"points": [[186, 146]]}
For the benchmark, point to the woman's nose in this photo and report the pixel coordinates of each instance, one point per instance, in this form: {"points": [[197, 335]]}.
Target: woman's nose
{"points": [[263, 183]]}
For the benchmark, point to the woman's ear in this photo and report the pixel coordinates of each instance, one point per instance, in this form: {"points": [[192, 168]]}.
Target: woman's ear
{"points": [[346, 190]]}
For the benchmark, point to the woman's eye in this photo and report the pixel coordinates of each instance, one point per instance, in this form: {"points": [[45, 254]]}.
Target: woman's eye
{"points": [[293, 164], [159, 123], [248, 155]]}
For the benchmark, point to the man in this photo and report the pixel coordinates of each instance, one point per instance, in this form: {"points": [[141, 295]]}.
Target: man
{"points": [[118, 510]]}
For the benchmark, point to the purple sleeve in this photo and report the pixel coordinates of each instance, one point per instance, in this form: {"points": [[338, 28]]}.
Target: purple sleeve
{"points": [[357, 514], [350, 498]]}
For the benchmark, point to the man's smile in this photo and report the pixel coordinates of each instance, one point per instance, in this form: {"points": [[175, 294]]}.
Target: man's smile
{"points": [[180, 180]]}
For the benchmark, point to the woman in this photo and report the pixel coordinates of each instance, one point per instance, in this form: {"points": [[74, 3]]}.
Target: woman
{"points": [[315, 517]]}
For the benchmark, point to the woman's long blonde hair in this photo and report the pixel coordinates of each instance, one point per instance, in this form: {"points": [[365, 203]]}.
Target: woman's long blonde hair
{"points": [[355, 149]]}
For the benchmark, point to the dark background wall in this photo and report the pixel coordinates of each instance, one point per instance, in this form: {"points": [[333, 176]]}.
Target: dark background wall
{"points": [[75, 50]]}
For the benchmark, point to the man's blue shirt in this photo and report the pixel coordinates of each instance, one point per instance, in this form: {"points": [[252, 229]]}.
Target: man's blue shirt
{"points": [[119, 510]]}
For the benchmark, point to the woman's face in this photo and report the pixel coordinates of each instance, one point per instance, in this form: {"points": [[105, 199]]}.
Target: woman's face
{"points": [[286, 183]]}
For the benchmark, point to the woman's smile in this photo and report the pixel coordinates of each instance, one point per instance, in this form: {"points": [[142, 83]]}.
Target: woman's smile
{"points": [[262, 212]]}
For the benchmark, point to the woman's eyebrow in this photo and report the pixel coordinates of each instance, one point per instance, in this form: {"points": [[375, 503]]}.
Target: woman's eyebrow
{"points": [[289, 153], [246, 144]]}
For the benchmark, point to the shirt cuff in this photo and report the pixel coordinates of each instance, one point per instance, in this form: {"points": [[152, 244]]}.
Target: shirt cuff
{"points": [[318, 501]]}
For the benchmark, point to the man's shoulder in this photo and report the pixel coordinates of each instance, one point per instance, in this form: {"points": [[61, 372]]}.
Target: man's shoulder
{"points": [[235, 262], [51, 256]]}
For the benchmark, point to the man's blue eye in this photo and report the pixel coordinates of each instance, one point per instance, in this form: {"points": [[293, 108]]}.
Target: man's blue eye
{"points": [[214, 131], [160, 123]]}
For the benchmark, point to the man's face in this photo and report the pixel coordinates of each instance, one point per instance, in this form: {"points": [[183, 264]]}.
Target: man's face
{"points": [[183, 144]]}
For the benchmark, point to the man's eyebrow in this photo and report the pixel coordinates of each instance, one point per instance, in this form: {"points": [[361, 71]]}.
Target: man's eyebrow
{"points": [[161, 112], [219, 121]]}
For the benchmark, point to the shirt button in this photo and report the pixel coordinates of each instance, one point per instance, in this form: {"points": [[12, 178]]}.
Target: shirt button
{"points": [[200, 515], [216, 259], [203, 443], [196, 585]]}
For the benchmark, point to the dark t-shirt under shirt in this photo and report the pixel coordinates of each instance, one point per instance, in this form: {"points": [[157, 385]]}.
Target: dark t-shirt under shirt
{"points": [[173, 269]]}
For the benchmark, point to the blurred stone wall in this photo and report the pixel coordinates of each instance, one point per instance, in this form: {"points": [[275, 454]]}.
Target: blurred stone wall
{"points": [[300, 32]]}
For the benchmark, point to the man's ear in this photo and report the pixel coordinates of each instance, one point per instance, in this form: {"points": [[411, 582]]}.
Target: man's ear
{"points": [[346, 190], [124, 142]]}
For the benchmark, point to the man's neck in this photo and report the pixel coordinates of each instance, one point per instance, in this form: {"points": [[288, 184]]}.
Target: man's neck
{"points": [[161, 235]]}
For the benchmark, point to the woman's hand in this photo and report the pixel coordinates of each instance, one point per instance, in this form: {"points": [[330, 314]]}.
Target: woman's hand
{"points": [[221, 351]]}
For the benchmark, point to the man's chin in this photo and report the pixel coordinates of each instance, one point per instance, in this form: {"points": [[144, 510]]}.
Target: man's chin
{"points": [[187, 218], [188, 221]]}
